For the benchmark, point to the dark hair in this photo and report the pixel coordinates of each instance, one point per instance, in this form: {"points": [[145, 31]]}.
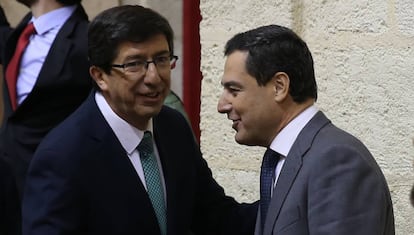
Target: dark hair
{"points": [[69, 2], [121, 24], [273, 49]]}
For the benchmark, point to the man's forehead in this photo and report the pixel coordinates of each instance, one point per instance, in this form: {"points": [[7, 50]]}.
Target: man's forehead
{"points": [[149, 48]]}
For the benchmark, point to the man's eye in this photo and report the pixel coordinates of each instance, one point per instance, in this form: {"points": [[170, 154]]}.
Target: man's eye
{"points": [[137, 63], [234, 89], [162, 59]]}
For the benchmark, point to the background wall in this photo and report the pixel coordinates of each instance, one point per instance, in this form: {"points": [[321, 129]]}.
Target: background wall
{"points": [[364, 56]]}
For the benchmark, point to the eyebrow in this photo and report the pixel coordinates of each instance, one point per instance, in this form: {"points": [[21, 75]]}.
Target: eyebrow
{"points": [[138, 56], [230, 84]]}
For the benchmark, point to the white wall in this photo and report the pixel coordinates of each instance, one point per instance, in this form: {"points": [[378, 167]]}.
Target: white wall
{"points": [[364, 61]]}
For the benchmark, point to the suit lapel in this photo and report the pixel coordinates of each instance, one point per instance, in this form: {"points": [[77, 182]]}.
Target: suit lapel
{"points": [[116, 169], [111, 148], [292, 167], [177, 159], [58, 53], [287, 176], [165, 150]]}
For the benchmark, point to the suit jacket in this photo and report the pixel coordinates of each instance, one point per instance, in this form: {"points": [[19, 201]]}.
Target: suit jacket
{"points": [[329, 184], [81, 181], [63, 83], [9, 203]]}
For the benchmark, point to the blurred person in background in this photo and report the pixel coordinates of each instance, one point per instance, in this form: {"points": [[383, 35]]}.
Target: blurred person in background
{"points": [[48, 81], [46, 77]]}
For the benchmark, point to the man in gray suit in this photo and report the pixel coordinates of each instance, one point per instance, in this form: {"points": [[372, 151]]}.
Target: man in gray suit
{"points": [[315, 177]]}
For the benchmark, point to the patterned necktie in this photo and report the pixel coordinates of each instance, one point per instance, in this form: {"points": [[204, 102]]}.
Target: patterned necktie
{"points": [[12, 70], [267, 174], [153, 180]]}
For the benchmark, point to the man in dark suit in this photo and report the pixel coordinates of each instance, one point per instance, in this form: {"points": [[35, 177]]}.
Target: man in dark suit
{"points": [[53, 79], [91, 174], [315, 178]]}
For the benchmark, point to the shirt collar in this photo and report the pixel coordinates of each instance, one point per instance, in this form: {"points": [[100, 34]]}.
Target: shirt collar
{"points": [[287, 136], [52, 19], [128, 135]]}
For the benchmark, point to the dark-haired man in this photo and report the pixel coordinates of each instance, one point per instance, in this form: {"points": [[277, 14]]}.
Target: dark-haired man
{"points": [[315, 178], [123, 163]]}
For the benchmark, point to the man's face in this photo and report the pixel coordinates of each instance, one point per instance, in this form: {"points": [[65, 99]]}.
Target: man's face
{"points": [[138, 96], [251, 107]]}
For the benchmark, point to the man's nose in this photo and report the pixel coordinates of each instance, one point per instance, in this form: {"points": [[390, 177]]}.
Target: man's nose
{"points": [[223, 106], [151, 73]]}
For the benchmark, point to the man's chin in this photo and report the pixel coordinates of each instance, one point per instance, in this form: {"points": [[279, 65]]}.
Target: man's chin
{"points": [[240, 140], [245, 140], [154, 111]]}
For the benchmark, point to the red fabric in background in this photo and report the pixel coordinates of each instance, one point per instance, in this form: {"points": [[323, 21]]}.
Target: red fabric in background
{"points": [[191, 63]]}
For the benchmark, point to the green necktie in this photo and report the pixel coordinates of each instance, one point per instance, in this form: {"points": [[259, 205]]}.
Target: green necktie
{"points": [[153, 180]]}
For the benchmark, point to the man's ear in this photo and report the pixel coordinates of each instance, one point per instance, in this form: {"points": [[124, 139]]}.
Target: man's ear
{"points": [[98, 76], [281, 83]]}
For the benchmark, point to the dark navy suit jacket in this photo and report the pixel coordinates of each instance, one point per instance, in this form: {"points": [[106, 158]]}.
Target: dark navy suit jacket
{"points": [[63, 83], [81, 182], [9, 202]]}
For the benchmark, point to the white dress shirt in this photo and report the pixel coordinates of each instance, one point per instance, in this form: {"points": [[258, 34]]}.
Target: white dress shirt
{"points": [[129, 137], [284, 141], [47, 27]]}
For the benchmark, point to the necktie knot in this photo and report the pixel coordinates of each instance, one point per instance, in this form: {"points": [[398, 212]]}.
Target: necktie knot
{"points": [[28, 31], [270, 159], [24, 38], [146, 145]]}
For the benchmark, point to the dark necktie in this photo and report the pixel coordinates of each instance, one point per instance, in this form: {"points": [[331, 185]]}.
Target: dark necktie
{"points": [[13, 68], [153, 180], [267, 174]]}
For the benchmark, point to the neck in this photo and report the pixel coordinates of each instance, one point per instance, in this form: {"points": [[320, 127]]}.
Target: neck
{"points": [[293, 110], [42, 7]]}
